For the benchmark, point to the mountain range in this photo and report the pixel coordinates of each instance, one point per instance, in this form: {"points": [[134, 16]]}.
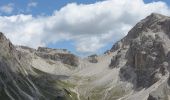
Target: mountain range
{"points": [[135, 68]]}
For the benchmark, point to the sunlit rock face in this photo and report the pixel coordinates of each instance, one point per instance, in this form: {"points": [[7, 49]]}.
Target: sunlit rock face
{"points": [[147, 47]]}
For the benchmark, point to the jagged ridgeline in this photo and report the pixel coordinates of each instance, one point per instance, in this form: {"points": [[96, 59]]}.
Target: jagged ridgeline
{"points": [[135, 68]]}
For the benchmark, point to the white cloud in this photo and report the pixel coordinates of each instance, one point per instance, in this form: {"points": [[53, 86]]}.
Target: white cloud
{"points": [[7, 8], [32, 4], [91, 26]]}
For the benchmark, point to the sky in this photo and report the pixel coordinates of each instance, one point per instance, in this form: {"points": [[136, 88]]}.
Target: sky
{"points": [[83, 27]]}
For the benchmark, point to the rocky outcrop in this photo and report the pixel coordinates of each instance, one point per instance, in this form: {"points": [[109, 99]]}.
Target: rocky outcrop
{"points": [[20, 48], [152, 98], [50, 50], [93, 58], [58, 55]]}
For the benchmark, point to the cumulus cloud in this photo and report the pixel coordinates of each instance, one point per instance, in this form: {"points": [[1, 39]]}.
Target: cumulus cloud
{"points": [[7, 8], [91, 26]]}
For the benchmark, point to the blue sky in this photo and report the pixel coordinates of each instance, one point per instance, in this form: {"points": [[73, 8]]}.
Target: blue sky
{"points": [[43, 7], [82, 26], [148, 1], [48, 6]]}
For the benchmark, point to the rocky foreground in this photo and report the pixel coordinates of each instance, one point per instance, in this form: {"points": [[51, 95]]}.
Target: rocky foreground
{"points": [[136, 68]]}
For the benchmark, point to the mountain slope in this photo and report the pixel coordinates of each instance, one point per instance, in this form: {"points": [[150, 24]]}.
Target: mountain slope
{"points": [[20, 81]]}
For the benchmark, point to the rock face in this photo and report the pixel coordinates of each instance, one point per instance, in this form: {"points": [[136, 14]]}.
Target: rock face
{"points": [[136, 68], [93, 58], [49, 50], [147, 49], [58, 55], [147, 46], [14, 83], [147, 55]]}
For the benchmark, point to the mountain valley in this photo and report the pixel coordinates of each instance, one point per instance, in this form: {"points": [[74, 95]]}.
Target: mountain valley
{"points": [[135, 68]]}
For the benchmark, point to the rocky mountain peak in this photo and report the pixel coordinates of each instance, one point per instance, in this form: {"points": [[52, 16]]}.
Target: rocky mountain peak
{"points": [[3, 39], [156, 16], [6, 45], [153, 23], [2, 36], [154, 26], [144, 51]]}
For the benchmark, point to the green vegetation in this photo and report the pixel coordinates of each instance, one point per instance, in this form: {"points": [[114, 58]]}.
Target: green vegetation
{"points": [[65, 84], [3, 95], [116, 93], [70, 95], [52, 87], [97, 93]]}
